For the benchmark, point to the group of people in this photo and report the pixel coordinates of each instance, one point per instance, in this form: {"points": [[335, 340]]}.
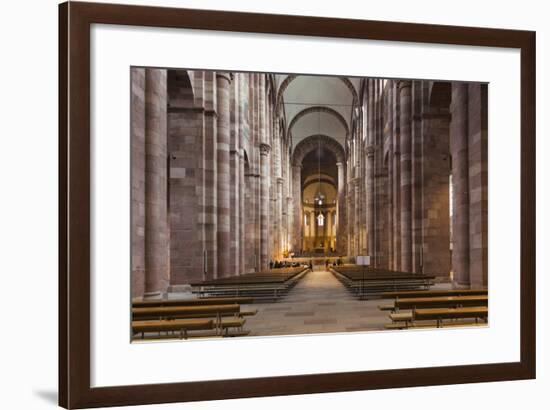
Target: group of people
{"points": [[337, 262], [282, 264], [285, 264]]}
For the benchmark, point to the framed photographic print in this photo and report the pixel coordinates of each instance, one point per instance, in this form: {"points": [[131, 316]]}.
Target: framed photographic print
{"points": [[256, 205]]}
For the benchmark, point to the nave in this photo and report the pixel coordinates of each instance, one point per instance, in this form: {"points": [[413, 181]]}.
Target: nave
{"points": [[241, 180]]}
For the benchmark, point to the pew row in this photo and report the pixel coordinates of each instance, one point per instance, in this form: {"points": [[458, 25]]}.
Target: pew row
{"points": [[180, 327], [433, 292], [191, 302], [407, 320], [261, 286], [436, 302], [224, 317], [369, 282]]}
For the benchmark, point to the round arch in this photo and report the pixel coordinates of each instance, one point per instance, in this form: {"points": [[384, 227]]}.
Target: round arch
{"points": [[312, 142], [284, 85], [180, 87], [319, 108]]}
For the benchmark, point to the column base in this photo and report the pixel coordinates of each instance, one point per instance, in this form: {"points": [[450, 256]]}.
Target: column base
{"points": [[442, 279], [152, 295], [458, 285], [179, 289]]}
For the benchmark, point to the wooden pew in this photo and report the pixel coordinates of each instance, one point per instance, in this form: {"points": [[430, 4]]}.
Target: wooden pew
{"points": [[238, 323], [432, 292], [192, 302], [408, 319], [478, 312], [259, 285], [371, 281], [178, 312], [170, 313], [441, 302], [182, 326]]}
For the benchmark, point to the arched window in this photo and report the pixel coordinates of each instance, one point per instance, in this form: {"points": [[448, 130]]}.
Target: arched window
{"points": [[320, 219]]}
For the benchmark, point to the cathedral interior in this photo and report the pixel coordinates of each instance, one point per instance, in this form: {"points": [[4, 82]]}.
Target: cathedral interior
{"points": [[240, 177]]}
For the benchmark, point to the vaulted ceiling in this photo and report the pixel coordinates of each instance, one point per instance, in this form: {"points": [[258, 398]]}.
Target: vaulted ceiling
{"points": [[317, 105]]}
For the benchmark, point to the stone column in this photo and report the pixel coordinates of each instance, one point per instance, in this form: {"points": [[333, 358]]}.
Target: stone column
{"points": [[279, 218], [244, 130], [416, 176], [396, 210], [461, 203], [477, 155], [305, 224], [234, 165], [236, 222], [396, 182], [316, 229], [436, 255], [370, 200], [242, 216], [223, 82], [326, 231], [209, 186], [370, 168], [156, 183], [333, 232], [406, 198], [137, 131], [341, 210], [297, 200], [387, 161], [390, 212], [264, 208], [287, 216], [358, 208], [330, 229], [351, 218]]}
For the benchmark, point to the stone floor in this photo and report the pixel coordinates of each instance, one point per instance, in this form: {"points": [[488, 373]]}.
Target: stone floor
{"points": [[319, 303]]}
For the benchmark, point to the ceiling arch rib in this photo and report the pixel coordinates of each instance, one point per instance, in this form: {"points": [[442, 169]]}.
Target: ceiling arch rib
{"points": [[290, 78], [319, 109], [314, 179], [312, 142]]}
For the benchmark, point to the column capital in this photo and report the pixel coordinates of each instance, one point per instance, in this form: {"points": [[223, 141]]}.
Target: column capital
{"points": [[264, 149], [339, 164], [280, 181], [370, 150]]}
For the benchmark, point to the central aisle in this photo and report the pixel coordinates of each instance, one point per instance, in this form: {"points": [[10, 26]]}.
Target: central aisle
{"points": [[319, 303]]}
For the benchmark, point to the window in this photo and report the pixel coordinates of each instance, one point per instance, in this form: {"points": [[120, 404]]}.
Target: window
{"points": [[320, 220]]}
